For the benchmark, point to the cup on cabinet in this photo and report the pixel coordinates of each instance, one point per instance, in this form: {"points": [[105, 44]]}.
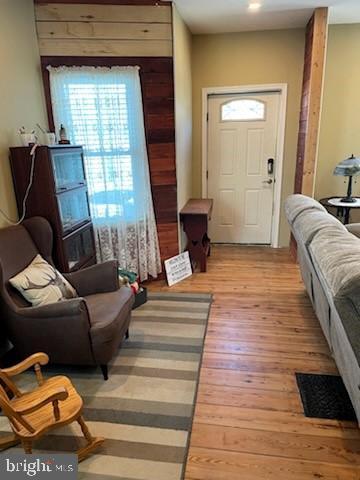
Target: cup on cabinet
{"points": [[50, 138], [27, 139]]}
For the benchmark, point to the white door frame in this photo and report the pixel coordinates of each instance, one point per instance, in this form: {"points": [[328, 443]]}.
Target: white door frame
{"points": [[280, 144]]}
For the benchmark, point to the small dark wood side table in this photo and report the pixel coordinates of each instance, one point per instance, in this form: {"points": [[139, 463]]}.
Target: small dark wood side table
{"points": [[194, 217], [342, 210]]}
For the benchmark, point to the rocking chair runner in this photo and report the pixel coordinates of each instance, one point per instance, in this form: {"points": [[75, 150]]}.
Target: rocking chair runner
{"points": [[54, 403]]}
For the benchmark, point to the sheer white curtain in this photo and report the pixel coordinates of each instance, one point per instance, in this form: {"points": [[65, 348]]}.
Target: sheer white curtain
{"points": [[101, 109]]}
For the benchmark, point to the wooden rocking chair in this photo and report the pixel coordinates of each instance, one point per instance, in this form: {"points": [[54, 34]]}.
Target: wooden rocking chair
{"points": [[54, 403]]}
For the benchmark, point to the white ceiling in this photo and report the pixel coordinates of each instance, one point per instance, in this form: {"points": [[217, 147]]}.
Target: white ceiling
{"points": [[220, 16]]}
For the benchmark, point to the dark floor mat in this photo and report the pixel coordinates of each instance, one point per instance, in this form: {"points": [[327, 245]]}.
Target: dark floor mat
{"points": [[325, 396]]}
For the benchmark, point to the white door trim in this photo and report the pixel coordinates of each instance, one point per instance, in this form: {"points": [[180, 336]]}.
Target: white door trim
{"points": [[271, 87]]}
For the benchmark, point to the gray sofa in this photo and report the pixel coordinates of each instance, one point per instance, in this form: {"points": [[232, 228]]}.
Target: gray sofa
{"points": [[329, 259]]}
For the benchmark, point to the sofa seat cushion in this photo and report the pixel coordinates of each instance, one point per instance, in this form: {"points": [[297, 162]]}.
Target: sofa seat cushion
{"points": [[336, 254], [108, 312], [297, 203], [310, 222]]}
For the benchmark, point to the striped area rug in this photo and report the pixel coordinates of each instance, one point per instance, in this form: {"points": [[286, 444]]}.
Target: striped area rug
{"points": [[145, 409]]}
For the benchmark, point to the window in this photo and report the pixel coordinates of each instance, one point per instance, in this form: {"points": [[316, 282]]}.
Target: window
{"points": [[243, 110], [98, 107], [101, 109]]}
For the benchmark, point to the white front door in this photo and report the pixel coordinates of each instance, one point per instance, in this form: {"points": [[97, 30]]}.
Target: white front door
{"points": [[242, 138]]}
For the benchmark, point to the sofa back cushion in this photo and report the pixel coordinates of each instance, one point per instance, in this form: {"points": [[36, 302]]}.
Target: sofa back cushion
{"points": [[310, 222], [297, 203], [336, 254]]}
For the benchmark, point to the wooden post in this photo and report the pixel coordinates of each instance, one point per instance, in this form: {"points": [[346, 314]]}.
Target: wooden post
{"points": [[56, 410], [85, 430], [38, 374], [311, 102], [27, 446], [314, 67]]}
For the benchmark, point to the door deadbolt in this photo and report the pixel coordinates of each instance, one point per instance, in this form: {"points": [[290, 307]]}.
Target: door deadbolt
{"points": [[270, 166]]}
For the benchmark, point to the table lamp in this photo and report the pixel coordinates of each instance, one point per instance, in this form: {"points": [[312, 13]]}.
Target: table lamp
{"points": [[348, 168]]}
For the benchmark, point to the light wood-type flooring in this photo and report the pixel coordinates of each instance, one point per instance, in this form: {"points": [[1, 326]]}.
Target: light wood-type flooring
{"points": [[248, 423]]}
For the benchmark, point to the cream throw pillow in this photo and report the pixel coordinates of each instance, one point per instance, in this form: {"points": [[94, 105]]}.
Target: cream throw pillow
{"points": [[41, 284]]}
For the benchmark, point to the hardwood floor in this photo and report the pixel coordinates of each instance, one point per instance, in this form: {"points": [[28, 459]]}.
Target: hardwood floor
{"points": [[248, 421]]}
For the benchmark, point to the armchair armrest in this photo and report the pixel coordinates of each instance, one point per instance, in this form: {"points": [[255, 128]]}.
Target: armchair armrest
{"points": [[354, 228], [100, 278], [36, 358], [65, 308], [51, 396], [61, 329]]}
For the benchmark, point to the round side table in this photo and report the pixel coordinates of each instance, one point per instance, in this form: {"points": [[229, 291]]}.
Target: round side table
{"points": [[342, 208]]}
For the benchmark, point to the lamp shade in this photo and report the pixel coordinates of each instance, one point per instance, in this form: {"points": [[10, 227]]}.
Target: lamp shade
{"points": [[348, 167]]}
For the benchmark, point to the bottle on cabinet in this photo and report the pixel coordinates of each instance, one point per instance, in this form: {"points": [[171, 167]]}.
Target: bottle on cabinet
{"points": [[62, 136]]}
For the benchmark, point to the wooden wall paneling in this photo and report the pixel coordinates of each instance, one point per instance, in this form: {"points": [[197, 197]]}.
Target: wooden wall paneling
{"points": [[161, 120], [156, 76], [72, 29], [162, 164], [165, 200], [163, 177], [112, 13], [158, 90], [314, 65], [104, 30], [104, 48], [168, 238], [105, 2]]}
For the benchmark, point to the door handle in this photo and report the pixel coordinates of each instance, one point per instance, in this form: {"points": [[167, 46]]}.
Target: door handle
{"points": [[269, 181]]}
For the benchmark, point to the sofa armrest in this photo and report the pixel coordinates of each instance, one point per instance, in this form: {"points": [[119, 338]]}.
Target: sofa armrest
{"points": [[100, 278], [354, 228]]}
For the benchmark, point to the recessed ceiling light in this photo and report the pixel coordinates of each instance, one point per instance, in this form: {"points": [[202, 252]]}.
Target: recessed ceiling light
{"points": [[254, 6]]}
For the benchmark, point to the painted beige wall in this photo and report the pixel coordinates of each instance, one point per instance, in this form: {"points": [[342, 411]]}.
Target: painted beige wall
{"points": [[183, 112], [340, 125], [251, 58], [20, 86]]}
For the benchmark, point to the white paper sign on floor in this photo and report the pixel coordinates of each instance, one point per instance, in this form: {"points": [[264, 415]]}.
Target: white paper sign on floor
{"points": [[178, 268]]}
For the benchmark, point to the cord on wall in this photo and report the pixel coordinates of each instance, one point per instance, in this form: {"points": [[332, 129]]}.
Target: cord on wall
{"points": [[31, 179]]}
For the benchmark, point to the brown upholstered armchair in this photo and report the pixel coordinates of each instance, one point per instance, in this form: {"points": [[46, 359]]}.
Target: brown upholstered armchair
{"points": [[87, 330]]}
